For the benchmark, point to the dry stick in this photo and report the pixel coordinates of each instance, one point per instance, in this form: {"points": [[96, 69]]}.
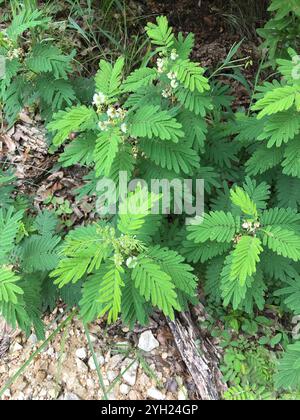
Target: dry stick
{"points": [[37, 352], [201, 361]]}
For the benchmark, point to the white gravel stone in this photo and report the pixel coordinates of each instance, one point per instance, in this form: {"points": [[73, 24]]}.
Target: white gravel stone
{"points": [[124, 389], [100, 360], [155, 394], [69, 396], [147, 341], [111, 375], [182, 395], [81, 366], [130, 375], [33, 339], [81, 353], [16, 347]]}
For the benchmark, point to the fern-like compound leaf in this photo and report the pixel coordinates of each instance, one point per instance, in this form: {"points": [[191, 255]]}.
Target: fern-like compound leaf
{"points": [[190, 74], [150, 121], [244, 258], [108, 78], [160, 33], [155, 285], [106, 149], [9, 291], [216, 226], [72, 120]]}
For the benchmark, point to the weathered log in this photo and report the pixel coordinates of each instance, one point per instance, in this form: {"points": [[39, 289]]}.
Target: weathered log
{"points": [[199, 354]]}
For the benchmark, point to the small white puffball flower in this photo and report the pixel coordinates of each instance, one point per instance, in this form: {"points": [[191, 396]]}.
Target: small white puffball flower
{"points": [[257, 225], [103, 125], [99, 99], [165, 94], [16, 53], [174, 84], [118, 260], [119, 112], [112, 112], [124, 128], [160, 64], [172, 75], [174, 55], [246, 225], [131, 262]]}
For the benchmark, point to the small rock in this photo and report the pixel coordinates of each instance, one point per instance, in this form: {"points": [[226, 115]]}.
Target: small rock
{"points": [[90, 383], [130, 375], [182, 394], [147, 341], [3, 369], [115, 361], [144, 380], [16, 347], [50, 352], [20, 396], [52, 393], [111, 375], [33, 339], [70, 397], [172, 385], [100, 360], [7, 394], [112, 395], [124, 389], [155, 394], [93, 338], [81, 353], [164, 356], [81, 366]]}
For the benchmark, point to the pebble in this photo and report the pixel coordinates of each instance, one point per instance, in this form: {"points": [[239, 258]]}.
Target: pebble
{"points": [[155, 394], [124, 389], [100, 360], [147, 341], [130, 375], [172, 385], [69, 396], [81, 353], [111, 375], [182, 395], [16, 347], [33, 339], [81, 366]]}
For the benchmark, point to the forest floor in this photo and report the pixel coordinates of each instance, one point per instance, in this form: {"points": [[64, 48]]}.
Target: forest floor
{"points": [[65, 369]]}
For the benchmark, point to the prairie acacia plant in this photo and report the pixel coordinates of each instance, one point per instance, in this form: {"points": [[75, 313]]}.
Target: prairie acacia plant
{"points": [[36, 72], [168, 119], [148, 122]]}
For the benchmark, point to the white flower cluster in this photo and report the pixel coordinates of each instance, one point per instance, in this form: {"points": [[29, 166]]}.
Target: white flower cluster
{"points": [[118, 260], [99, 99], [15, 53], [161, 64], [131, 262], [172, 76], [114, 115], [251, 226], [174, 55]]}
